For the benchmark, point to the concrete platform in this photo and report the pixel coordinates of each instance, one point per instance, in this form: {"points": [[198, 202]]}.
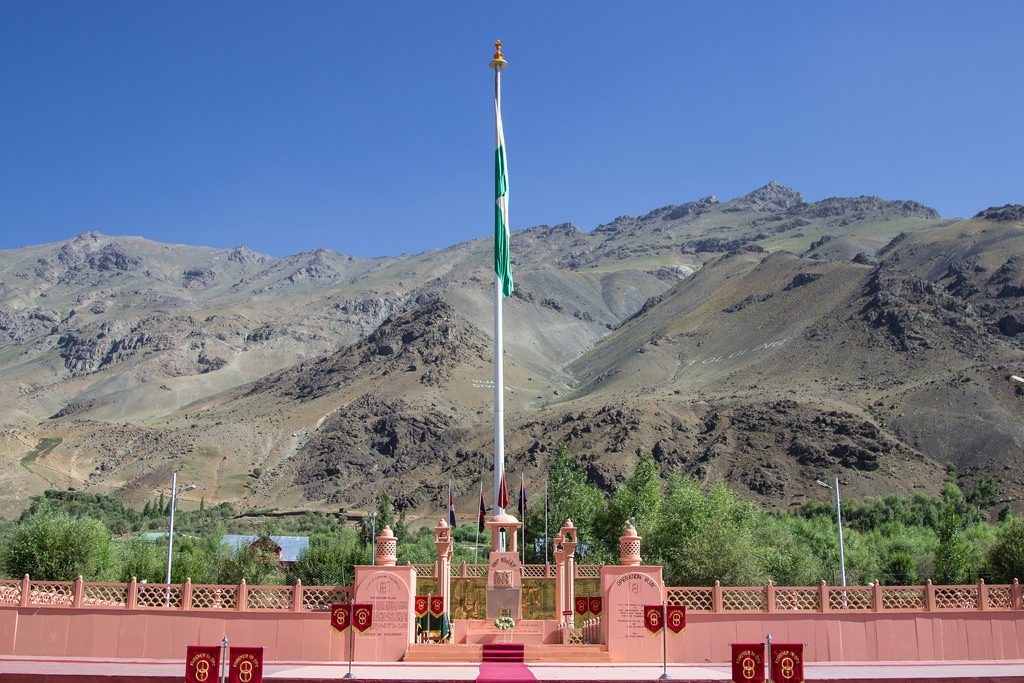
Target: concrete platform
{"points": [[94, 670]]}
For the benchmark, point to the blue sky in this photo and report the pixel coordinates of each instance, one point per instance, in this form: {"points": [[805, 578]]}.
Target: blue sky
{"points": [[367, 127]]}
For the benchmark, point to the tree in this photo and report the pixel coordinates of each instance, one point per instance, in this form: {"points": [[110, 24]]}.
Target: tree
{"points": [[572, 496], [143, 560], [952, 557], [1006, 558], [703, 538], [52, 546], [329, 560], [638, 498]]}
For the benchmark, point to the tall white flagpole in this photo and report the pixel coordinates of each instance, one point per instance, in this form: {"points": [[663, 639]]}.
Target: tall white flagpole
{"points": [[498, 63]]}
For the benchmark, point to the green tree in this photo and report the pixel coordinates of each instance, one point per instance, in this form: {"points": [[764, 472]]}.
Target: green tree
{"points": [[329, 560], [952, 557], [52, 546], [1006, 557], [638, 498], [573, 496], [143, 560], [704, 538]]}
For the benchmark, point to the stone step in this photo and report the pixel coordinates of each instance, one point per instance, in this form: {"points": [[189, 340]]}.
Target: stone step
{"points": [[461, 652]]}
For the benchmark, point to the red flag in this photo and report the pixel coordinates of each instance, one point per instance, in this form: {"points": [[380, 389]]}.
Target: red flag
{"points": [[582, 605], [675, 618], [481, 523], [245, 665], [652, 618], [341, 616], [503, 492], [787, 662], [595, 605], [420, 605], [437, 605], [747, 662], [522, 499], [362, 616], [202, 663]]}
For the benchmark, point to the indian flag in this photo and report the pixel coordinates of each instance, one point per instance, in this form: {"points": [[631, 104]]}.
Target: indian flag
{"points": [[502, 264]]}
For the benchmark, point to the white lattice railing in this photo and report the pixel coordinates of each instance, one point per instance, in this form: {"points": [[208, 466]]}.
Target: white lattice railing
{"points": [[716, 599]]}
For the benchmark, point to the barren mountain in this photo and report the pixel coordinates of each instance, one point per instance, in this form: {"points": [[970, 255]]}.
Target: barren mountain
{"points": [[766, 341]]}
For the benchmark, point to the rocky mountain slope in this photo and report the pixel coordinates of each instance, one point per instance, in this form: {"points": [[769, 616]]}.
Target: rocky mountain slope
{"points": [[766, 341]]}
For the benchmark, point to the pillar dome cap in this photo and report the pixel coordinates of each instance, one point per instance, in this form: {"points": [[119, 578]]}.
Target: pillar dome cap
{"points": [[504, 518], [386, 532]]}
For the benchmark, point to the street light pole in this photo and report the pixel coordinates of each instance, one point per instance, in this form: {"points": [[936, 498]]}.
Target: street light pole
{"points": [[839, 526], [170, 530]]}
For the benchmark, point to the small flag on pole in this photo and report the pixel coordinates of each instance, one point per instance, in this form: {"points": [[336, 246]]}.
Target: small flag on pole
{"points": [[522, 499], [482, 520], [503, 493], [451, 506]]}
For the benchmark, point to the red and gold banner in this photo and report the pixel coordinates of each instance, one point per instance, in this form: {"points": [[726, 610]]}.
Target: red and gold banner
{"points": [[747, 662], [787, 662], [652, 618], [437, 605], [362, 617], [582, 605], [420, 606], [202, 664], [245, 665], [675, 618], [595, 605], [341, 617]]}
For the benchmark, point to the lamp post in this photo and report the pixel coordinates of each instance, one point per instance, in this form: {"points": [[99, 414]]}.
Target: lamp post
{"points": [[170, 529], [373, 538], [839, 525]]}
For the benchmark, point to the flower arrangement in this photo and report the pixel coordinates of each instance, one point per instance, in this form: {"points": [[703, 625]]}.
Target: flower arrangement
{"points": [[504, 623]]}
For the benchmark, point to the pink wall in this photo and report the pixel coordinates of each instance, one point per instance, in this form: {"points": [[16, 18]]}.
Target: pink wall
{"points": [[848, 637], [308, 637], [156, 635]]}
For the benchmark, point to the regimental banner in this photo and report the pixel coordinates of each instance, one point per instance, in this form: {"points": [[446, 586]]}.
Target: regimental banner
{"points": [[437, 605], [652, 618], [787, 662], [420, 605], [362, 617], [582, 605], [202, 664], [595, 605], [245, 665], [341, 616], [675, 618], [748, 662]]}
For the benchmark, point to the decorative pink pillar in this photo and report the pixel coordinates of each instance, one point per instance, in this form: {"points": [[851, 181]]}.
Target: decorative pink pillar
{"points": [[559, 553], [569, 543], [442, 569], [625, 590], [391, 590]]}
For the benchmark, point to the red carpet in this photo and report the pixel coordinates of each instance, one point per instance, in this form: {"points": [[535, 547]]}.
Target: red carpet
{"points": [[504, 672]]}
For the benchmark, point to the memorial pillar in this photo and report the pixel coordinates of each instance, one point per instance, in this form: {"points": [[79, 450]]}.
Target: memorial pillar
{"points": [[625, 590], [391, 590], [442, 569], [504, 570]]}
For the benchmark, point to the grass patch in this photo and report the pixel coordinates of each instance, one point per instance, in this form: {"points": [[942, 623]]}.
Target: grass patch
{"points": [[45, 445]]}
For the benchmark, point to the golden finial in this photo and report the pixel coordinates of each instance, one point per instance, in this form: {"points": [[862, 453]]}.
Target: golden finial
{"points": [[498, 63]]}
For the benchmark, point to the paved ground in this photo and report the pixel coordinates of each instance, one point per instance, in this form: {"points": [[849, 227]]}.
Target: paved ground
{"points": [[29, 669]]}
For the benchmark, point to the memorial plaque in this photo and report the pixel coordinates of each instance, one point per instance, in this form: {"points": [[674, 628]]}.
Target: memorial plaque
{"points": [[625, 596], [390, 629], [504, 586]]}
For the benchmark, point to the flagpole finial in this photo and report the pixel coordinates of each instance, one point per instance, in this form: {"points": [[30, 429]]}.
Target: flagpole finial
{"points": [[498, 62]]}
